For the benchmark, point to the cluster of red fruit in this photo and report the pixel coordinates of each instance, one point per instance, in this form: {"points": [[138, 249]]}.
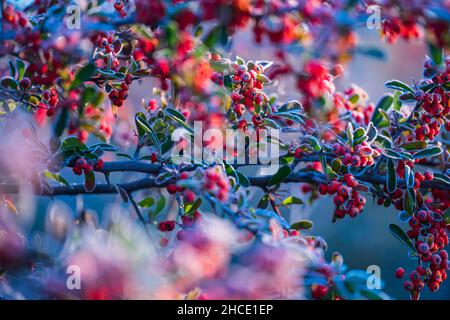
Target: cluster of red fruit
{"points": [[82, 165], [347, 199], [248, 82], [418, 177], [315, 80], [52, 98], [119, 95], [436, 105], [319, 290], [14, 17], [187, 226], [353, 100], [107, 53], [120, 6], [216, 182], [429, 231], [393, 28], [360, 156]]}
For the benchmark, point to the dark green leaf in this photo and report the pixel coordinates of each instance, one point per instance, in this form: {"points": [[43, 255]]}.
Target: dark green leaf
{"points": [[391, 178], [302, 225], [281, 174], [83, 75], [427, 153], [398, 85], [384, 104], [402, 236]]}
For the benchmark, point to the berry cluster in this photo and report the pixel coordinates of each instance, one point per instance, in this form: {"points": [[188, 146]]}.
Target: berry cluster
{"points": [[216, 183], [360, 156], [107, 51], [353, 100], [247, 84], [394, 27], [120, 6], [51, 96], [347, 199], [83, 165], [314, 81], [15, 18], [435, 105], [429, 232]]}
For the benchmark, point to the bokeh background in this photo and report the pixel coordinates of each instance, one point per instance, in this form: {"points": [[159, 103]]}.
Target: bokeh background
{"points": [[363, 241]]}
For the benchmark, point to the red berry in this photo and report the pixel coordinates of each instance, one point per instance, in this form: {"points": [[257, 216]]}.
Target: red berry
{"points": [[408, 285], [81, 162], [319, 291], [189, 196], [99, 165], [25, 83], [172, 188], [257, 119], [166, 226], [239, 109], [429, 175], [399, 273], [298, 153]]}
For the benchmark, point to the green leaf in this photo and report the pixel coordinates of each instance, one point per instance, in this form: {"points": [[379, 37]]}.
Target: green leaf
{"points": [[61, 123], [354, 98], [281, 174], [384, 104], [103, 147], [146, 203], [8, 82], [89, 181], [441, 178], [391, 178], [290, 105], [190, 208], [428, 153], [414, 145], [392, 154], [33, 100], [402, 236], [83, 75], [73, 143], [56, 177], [314, 142], [144, 126], [243, 180], [160, 204], [124, 155], [398, 85], [291, 200], [263, 202], [436, 54], [20, 69], [179, 118], [12, 69], [409, 201], [302, 225], [227, 82]]}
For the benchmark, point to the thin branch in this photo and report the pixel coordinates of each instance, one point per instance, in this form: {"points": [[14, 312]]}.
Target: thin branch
{"points": [[261, 182]]}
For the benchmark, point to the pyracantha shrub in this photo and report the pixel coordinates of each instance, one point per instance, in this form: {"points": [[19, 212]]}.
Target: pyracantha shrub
{"points": [[187, 223]]}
